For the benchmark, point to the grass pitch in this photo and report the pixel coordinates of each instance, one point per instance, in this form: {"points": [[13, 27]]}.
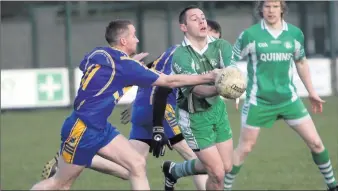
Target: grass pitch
{"points": [[280, 159]]}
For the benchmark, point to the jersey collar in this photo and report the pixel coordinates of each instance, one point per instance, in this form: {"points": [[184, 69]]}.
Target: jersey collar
{"points": [[114, 48], [264, 25], [186, 42]]}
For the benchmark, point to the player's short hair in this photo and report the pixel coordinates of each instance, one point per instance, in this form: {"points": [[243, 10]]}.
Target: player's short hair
{"points": [[214, 25], [259, 6], [182, 19], [114, 29]]}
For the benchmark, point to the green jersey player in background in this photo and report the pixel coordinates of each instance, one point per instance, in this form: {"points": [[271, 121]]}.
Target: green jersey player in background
{"points": [[201, 113], [272, 46]]}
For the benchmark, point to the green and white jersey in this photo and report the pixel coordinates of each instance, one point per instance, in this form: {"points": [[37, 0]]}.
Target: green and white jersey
{"points": [[188, 60], [270, 57]]}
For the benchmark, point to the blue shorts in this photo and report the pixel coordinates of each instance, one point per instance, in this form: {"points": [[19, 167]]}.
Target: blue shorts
{"points": [[142, 127], [81, 143]]}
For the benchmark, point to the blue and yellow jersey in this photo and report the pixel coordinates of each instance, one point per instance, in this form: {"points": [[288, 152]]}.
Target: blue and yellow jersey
{"points": [[144, 96], [108, 74]]}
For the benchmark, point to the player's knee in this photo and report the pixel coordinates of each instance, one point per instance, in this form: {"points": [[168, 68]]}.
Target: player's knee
{"points": [[316, 145], [49, 184], [227, 167], [138, 167], [246, 148], [216, 176], [66, 187]]}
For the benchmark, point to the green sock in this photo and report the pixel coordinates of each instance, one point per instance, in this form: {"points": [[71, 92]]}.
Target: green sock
{"points": [[187, 168], [323, 162], [230, 177]]}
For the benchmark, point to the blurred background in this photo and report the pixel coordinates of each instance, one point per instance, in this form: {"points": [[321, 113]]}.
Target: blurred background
{"points": [[42, 44]]}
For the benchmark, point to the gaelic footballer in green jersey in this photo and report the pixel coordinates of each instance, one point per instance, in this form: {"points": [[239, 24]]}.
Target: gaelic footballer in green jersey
{"points": [[271, 47], [201, 113]]}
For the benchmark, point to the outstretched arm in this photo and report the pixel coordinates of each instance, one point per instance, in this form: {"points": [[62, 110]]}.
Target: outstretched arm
{"points": [[179, 80]]}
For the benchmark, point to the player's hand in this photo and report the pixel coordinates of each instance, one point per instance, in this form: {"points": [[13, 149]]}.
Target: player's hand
{"points": [[126, 115], [159, 142], [140, 56], [316, 103], [215, 72]]}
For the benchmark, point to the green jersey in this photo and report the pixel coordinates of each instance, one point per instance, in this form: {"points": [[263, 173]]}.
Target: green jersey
{"points": [[187, 60], [271, 56]]}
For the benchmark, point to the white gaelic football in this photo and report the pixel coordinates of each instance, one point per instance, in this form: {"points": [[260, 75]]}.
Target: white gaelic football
{"points": [[230, 82]]}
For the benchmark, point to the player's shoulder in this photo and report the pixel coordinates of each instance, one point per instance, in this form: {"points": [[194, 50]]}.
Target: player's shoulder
{"points": [[169, 52], [172, 49], [253, 29], [108, 51], [181, 51], [293, 29], [219, 42]]}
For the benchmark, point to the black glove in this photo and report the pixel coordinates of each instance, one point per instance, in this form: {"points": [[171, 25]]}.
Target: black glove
{"points": [[159, 142]]}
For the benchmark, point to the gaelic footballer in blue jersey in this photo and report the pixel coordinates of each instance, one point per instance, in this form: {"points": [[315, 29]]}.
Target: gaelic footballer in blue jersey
{"points": [[142, 111], [107, 74]]}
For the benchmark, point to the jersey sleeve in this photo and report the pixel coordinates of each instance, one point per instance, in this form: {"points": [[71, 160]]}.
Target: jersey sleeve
{"points": [[183, 64], [136, 73], [299, 53], [241, 47], [226, 54]]}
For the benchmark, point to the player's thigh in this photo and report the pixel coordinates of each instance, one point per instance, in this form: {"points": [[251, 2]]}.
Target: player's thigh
{"points": [[140, 137], [197, 133], [103, 165], [67, 173], [224, 137], [247, 138], [211, 160], [141, 146], [120, 151], [297, 116], [222, 126], [258, 116], [308, 132]]}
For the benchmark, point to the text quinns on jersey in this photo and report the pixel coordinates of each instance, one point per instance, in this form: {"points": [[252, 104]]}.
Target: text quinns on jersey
{"points": [[275, 57]]}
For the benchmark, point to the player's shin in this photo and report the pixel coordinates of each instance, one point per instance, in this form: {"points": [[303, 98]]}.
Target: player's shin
{"points": [[187, 168], [184, 150], [323, 162], [230, 177]]}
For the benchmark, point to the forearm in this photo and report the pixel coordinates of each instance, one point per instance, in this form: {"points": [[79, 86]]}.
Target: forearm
{"points": [[203, 91], [186, 80], [159, 105], [304, 74]]}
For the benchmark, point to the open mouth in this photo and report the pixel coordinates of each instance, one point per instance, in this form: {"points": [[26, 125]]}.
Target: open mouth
{"points": [[203, 29]]}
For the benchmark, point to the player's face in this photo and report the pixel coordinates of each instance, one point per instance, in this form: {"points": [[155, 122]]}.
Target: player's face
{"points": [[196, 24], [213, 33], [272, 11], [130, 40]]}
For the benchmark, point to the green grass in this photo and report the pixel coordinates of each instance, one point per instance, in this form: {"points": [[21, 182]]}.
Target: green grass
{"points": [[280, 159]]}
